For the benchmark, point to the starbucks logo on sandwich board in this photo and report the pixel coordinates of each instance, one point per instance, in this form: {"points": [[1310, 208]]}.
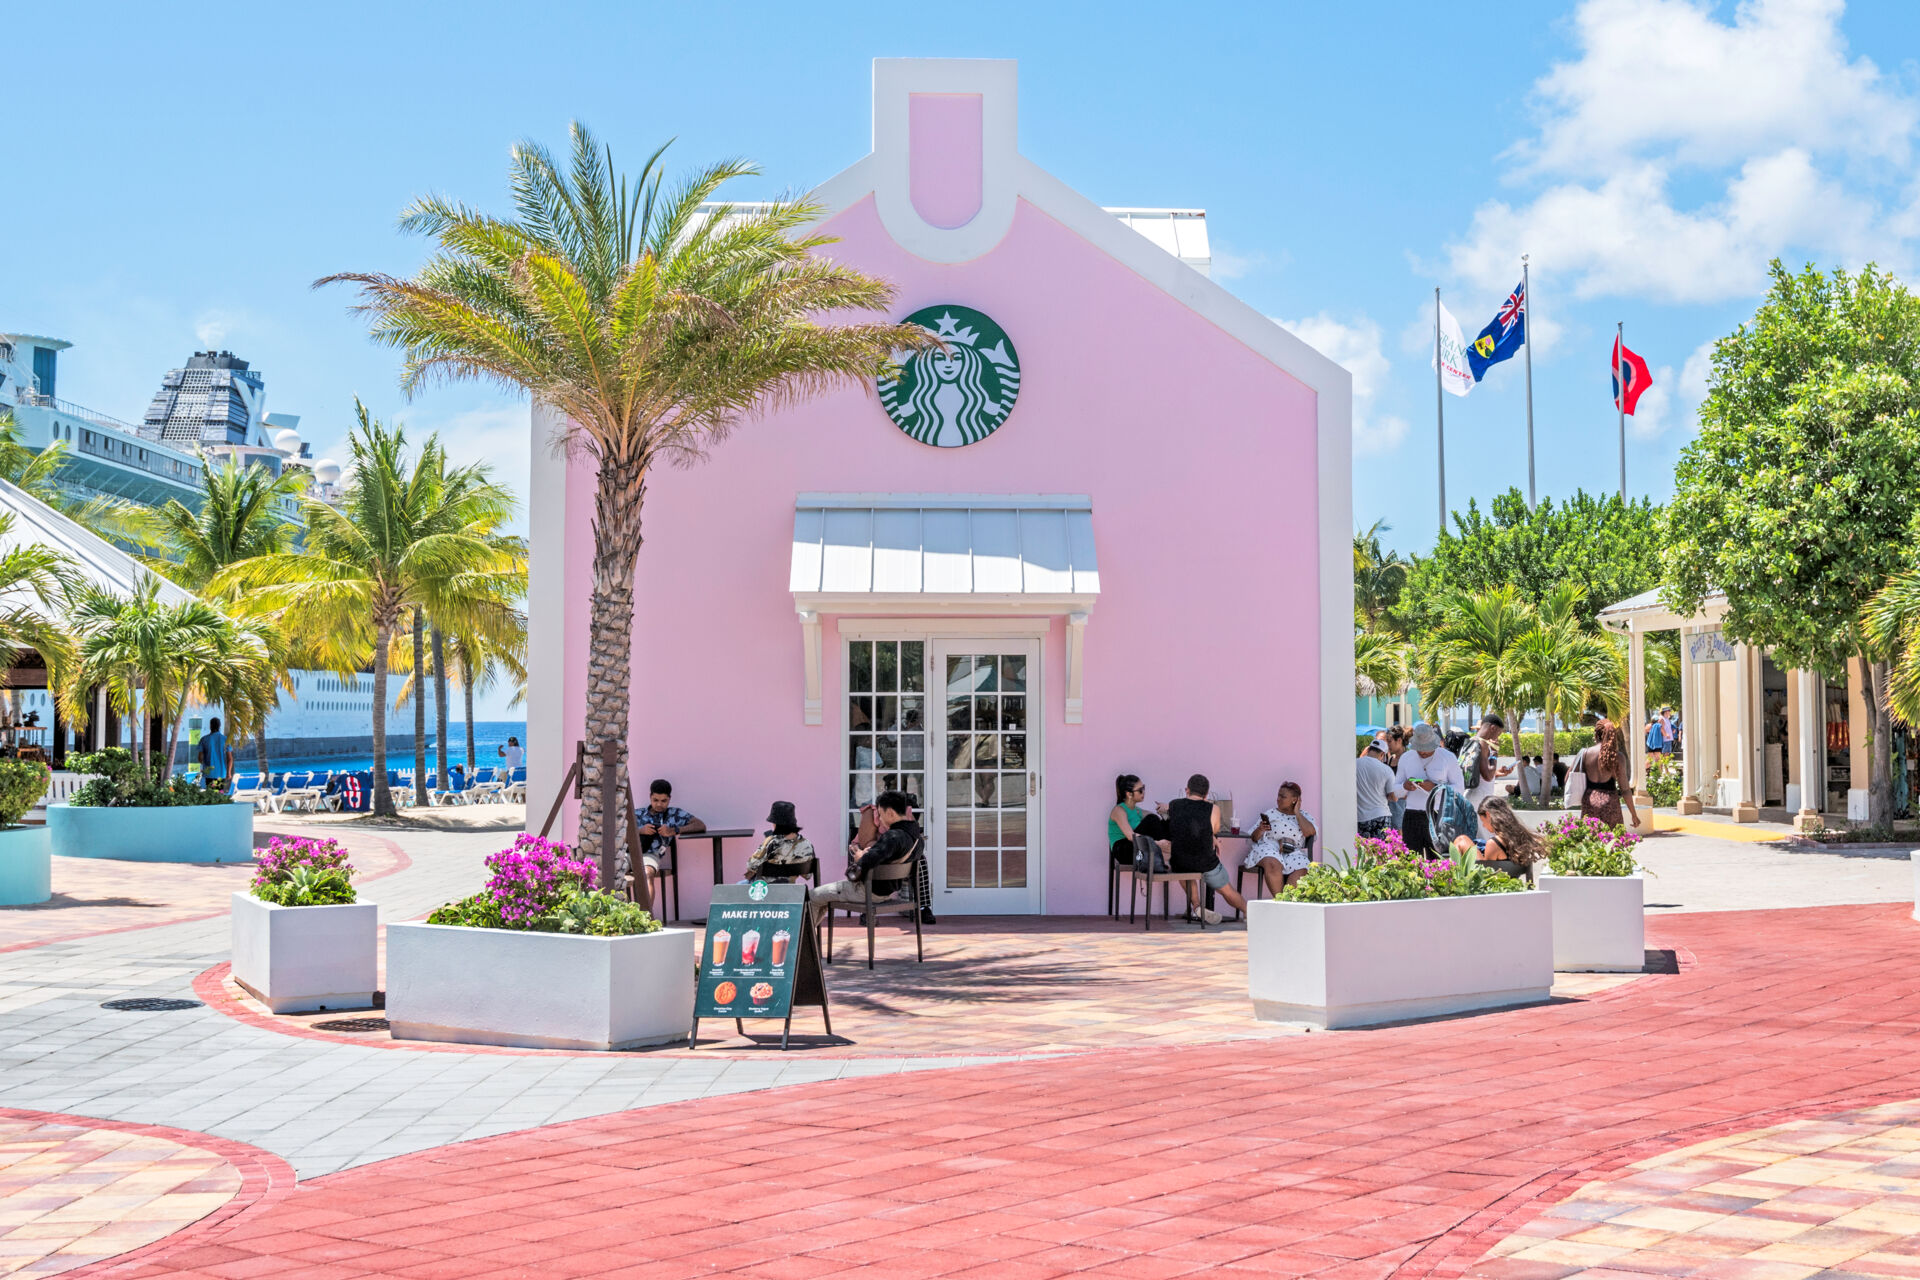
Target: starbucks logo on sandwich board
{"points": [[960, 395]]}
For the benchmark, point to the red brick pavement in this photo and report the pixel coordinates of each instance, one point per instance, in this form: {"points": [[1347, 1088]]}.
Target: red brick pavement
{"points": [[1403, 1151]]}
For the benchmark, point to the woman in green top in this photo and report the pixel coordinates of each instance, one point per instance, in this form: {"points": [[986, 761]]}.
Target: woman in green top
{"points": [[1127, 817]]}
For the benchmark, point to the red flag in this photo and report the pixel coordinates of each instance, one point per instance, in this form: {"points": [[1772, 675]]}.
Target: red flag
{"points": [[1635, 369]]}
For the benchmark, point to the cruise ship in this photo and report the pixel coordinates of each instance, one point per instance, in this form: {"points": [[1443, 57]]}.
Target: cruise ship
{"points": [[209, 410]]}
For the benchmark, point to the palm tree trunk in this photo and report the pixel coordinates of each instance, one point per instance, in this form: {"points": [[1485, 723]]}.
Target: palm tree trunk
{"points": [[618, 499], [1546, 757], [382, 797], [419, 708], [440, 706], [466, 691], [260, 751]]}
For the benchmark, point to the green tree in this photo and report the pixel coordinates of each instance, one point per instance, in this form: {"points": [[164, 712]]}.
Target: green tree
{"points": [[1474, 654], [1379, 576], [35, 581], [1608, 548], [153, 656], [1562, 666], [652, 324], [1796, 498], [1379, 664], [410, 534], [238, 517]]}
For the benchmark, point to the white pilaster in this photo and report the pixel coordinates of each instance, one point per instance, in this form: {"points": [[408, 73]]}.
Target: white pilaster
{"points": [[1076, 658], [1637, 723], [1810, 752], [810, 710], [1743, 735], [1692, 736]]}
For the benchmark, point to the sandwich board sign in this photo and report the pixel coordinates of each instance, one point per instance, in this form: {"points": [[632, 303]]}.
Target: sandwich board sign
{"points": [[759, 958]]}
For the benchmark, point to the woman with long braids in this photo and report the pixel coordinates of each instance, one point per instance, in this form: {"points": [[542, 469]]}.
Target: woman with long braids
{"points": [[1609, 773]]}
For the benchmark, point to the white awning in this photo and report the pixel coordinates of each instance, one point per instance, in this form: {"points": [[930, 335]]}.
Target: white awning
{"points": [[922, 551]]}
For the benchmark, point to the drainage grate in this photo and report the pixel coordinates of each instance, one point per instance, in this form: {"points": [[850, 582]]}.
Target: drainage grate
{"points": [[352, 1024], [149, 1004]]}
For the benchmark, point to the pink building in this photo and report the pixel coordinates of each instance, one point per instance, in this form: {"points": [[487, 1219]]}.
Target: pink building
{"points": [[1110, 532]]}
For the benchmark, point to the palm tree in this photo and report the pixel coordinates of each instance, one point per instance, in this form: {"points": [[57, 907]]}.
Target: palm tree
{"points": [[1564, 666], [152, 657], [1379, 575], [408, 533], [653, 324], [34, 584], [1379, 664], [238, 518], [479, 662], [1474, 655], [1891, 624]]}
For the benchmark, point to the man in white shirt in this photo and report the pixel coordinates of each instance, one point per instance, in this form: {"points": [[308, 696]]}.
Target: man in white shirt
{"points": [[512, 757], [1484, 750], [1375, 791], [1425, 765]]}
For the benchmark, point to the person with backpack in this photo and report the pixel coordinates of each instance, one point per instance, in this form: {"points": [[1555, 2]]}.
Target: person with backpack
{"points": [[1425, 766], [1480, 761]]}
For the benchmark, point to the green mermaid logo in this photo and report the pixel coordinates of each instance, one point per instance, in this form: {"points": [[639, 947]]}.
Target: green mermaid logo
{"points": [[960, 395]]}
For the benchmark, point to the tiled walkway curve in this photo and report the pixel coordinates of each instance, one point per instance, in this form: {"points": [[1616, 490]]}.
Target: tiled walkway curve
{"points": [[1407, 1151]]}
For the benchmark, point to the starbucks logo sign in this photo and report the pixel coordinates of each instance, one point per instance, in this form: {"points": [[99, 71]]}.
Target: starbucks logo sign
{"points": [[960, 395]]}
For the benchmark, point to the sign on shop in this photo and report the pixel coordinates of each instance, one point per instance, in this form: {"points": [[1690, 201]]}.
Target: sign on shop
{"points": [[1709, 646], [759, 958], [957, 393]]}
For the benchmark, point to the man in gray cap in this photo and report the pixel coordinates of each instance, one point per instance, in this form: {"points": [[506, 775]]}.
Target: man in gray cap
{"points": [[1424, 766], [1375, 790]]}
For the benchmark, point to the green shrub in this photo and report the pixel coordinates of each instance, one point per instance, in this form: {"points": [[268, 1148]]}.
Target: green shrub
{"points": [[22, 783], [1581, 846], [1665, 782], [481, 911], [1565, 742], [303, 872], [602, 915], [118, 784], [1376, 877]]}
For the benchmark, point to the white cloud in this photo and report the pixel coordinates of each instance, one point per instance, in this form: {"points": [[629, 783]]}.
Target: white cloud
{"points": [[1791, 145], [212, 328], [1356, 348], [1667, 76], [500, 436]]}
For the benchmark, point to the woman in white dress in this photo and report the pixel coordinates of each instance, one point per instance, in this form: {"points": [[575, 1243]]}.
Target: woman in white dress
{"points": [[1278, 850]]}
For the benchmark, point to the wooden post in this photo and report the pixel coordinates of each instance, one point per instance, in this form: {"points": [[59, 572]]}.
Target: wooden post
{"points": [[610, 813]]}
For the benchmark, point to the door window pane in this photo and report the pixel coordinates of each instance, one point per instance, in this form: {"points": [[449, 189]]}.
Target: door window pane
{"points": [[1013, 788], [958, 713], [886, 713], [1013, 713], [960, 751], [959, 674], [860, 666], [859, 713], [1013, 751], [913, 666], [960, 790], [886, 666], [986, 676], [1013, 673]]}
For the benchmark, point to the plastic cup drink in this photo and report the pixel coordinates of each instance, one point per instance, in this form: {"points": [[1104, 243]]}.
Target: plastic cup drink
{"points": [[720, 940], [781, 940], [749, 946]]}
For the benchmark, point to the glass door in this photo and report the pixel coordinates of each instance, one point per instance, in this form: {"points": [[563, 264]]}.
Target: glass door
{"points": [[982, 834], [886, 729]]}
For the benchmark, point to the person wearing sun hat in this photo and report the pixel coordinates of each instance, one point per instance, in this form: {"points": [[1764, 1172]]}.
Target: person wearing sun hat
{"points": [[1425, 766], [785, 854]]}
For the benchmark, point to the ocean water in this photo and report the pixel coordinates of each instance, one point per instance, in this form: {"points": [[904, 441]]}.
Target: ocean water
{"points": [[488, 737]]}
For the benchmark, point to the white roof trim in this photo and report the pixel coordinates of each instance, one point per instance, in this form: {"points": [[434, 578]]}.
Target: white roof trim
{"points": [[97, 561], [866, 550]]}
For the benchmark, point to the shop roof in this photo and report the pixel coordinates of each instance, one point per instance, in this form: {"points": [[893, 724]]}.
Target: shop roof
{"points": [[1647, 612], [928, 548], [97, 561]]}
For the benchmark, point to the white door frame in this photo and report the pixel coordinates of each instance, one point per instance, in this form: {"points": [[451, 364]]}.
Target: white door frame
{"points": [[963, 635]]}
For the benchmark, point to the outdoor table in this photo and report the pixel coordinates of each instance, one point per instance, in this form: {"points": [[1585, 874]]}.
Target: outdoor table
{"points": [[719, 836]]}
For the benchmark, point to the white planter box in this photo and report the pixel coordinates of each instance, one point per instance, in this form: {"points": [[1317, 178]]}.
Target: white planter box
{"points": [[1355, 964], [299, 959], [539, 990], [1599, 923]]}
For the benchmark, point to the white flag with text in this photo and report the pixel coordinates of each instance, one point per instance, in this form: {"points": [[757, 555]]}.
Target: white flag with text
{"points": [[1451, 358]]}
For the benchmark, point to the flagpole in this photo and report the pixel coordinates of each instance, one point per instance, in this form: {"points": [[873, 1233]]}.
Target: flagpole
{"points": [[1440, 409], [1620, 397], [1526, 291]]}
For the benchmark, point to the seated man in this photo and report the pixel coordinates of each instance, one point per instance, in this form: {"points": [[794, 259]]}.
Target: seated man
{"points": [[785, 854], [1195, 825], [895, 841], [660, 822]]}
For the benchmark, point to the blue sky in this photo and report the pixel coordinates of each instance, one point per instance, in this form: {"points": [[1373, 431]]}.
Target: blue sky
{"points": [[181, 174]]}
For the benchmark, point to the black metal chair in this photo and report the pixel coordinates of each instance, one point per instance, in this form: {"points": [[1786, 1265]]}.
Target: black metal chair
{"points": [[669, 857], [872, 907]]}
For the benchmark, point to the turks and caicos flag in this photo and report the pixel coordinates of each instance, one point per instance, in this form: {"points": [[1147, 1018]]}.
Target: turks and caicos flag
{"points": [[1504, 335], [1631, 369]]}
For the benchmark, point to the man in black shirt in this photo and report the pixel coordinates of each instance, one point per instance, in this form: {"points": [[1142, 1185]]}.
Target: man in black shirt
{"points": [[1195, 824], [898, 836]]}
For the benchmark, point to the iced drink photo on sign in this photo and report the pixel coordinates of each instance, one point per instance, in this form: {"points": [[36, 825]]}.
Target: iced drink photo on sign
{"points": [[720, 940], [781, 939], [749, 946]]}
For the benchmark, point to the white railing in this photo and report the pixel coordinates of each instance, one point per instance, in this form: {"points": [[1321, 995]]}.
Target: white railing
{"points": [[64, 784]]}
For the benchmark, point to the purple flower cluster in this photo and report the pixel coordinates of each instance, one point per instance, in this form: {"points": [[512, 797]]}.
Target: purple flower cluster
{"points": [[1383, 848], [1581, 829], [275, 862], [534, 877]]}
